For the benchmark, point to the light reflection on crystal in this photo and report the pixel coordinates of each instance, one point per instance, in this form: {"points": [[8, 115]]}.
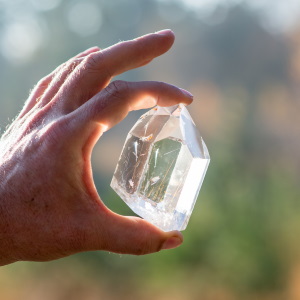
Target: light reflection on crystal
{"points": [[162, 166]]}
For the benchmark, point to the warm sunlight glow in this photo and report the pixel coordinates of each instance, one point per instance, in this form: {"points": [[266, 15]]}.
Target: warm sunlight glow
{"points": [[20, 40]]}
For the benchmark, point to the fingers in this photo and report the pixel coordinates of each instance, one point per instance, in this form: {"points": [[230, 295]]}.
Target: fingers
{"points": [[36, 94], [61, 74], [87, 52], [112, 104], [54, 79], [130, 235], [97, 69]]}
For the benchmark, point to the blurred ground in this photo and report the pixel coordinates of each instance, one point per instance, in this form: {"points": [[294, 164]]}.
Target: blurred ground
{"points": [[241, 60]]}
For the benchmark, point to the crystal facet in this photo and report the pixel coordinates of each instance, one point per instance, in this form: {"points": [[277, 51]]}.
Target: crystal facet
{"points": [[162, 167]]}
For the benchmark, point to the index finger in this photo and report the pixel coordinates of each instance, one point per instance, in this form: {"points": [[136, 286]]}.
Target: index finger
{"points": [[97, 69]]}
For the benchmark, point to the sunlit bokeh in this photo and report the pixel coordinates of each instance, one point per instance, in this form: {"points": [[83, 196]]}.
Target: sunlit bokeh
{"points": [[84, 18], [21, 39]]}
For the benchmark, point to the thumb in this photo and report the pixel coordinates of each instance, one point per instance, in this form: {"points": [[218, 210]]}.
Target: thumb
{"points": [[132, 235]]}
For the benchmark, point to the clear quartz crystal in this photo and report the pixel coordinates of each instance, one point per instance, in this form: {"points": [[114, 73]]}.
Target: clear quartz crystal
{"points": [[162, 167]]}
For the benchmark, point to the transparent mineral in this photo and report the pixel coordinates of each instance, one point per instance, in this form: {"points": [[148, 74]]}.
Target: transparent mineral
{"points": [[162, 167]]}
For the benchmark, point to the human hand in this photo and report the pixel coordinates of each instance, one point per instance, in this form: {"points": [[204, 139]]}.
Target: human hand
{"points": [[49, 206]]}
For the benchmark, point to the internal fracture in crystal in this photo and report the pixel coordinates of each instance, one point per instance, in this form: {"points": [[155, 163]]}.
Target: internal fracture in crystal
{"points": [[162, 167]]}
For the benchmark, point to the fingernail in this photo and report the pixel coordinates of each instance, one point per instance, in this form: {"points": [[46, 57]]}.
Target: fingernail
{"points": [[187, 93], [171, 243], [163, 32]]}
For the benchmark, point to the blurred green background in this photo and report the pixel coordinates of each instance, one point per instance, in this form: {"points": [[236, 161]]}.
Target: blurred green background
{"points": [[241, 60]]}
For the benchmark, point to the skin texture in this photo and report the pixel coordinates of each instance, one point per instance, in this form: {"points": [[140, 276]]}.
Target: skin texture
{"points": [[49, 206]]}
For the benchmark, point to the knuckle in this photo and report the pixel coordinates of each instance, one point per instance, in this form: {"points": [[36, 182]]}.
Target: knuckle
{"points": [[117, 89], [43, 83], [141, 251], [58, 127], [96, 62], [44, 80], [72, 64], [33, 122], [67, 68], [146, 247], [90, 62], [55, 134]]}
